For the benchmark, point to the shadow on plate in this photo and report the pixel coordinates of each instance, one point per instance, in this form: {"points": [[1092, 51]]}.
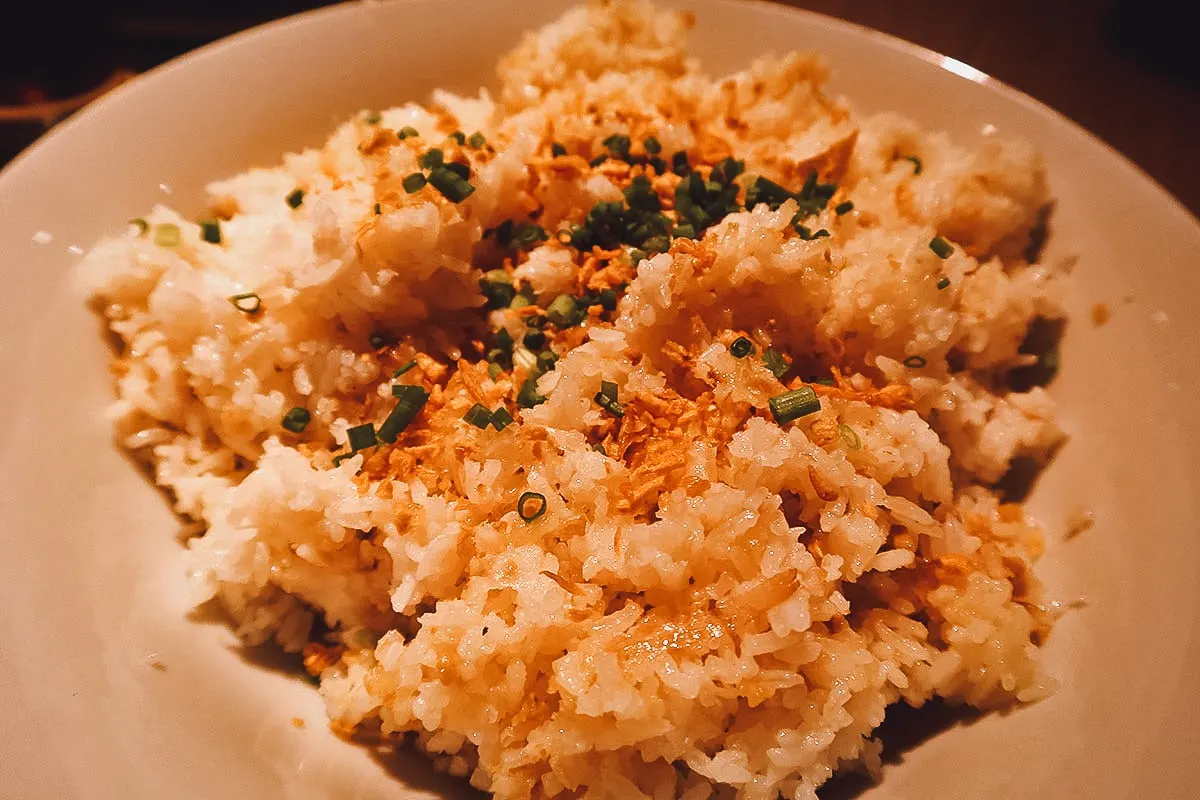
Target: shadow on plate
{"points": [[904, 728]]}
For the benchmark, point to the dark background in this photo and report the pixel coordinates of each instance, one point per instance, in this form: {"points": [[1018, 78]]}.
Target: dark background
{"points": [[1121, 68]]}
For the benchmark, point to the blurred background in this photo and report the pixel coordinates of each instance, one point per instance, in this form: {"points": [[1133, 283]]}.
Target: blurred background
{"points": [[1120, 68]]}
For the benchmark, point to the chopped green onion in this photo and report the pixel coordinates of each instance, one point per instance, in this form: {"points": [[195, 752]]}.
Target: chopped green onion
{"points": [[529, 512], [431, 158], [476, 140], [563, 312], [557, 150], [378, 209], [843, 208], [141, 224], [503, 340], [940, 247], [452, 185], [413, 183], [376, 341], [210, 231], [942, 283], [534, 340], [461, 170], [401, 370], [599, 448], [652, 145], [167, 235], [773, 360], [598, 160], [794, 404], [684, 231], [497, 287], [808, 235], [618, 144], [372, 118], [494, 370], [824, 381], [915, 362], [407, 132], [528, 234], [764, 190], [248, 303], [338, 459], [410, 400], [296, 419], [501, 419], [521, 299], [741, 347], [528, 397], [850, 436], [525, 359], [478, 415], [459, 137], [294, 198], [916, 162], [546, 361], [680, 164], [606, 398], [361, 437], [608, 299]]}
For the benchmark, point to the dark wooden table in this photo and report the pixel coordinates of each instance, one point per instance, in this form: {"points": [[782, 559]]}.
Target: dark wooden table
{"points": [[1121, 68]]}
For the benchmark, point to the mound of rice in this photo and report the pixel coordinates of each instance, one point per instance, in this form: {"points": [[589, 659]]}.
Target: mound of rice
{"points": [[715, 602]]}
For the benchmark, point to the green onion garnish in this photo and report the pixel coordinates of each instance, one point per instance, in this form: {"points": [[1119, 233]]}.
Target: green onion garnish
{"points": [[850, 436], [338, 459], [940, 247], [459, 137], [409, 402], [378, 209], [942, 283], [248, 303], [413, 183], [843, 208], [497, 287], [296, 419], [361, 437], [452, 185], [167, 235], [598, 160], [528, 234], [141, 224], [401, 370], [563, 312], [608, 299], [606, 398], [652, 145], [494, 370], [546, 361], [294, 198], [680, 164], [915, 362], [431, 158], [476, 140], [794, 404], [916, 162], [478, 415], [618, 145], [528, 397], [557, 150], [773, 360], [599, 448], [808, 235], [501, 419], [407, 131], [741, 347], [376, 341], [372, 118], [531, 505]]}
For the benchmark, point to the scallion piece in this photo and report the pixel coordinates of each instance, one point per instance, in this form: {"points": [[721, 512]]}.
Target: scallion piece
{"points": [[916, 162], [843, 208], [361, 437], [773, 360], [652, 145], [741, 347], [401, 370], [942, 283], [680, 164], [618, 145], [296, 419], [606, 398], [528, 397], [459, 137], [478, 415], [557, 150], [452, 185], [414, 182], [295, 198], [476, 140], [408, 131], [546, 361], [563, 312], [528, 234], [378, 209], [534, 340], [141, 224], [794, 404], [808, 235], [248, 303], [167, 235], [376, 341], [497, 287], [501, 419], [531, 505], [410, 400], [431, 158], [850, 437], [940, 247], [915, 362], [598, 160], [494, 370], [372, 118], [608, 299]]}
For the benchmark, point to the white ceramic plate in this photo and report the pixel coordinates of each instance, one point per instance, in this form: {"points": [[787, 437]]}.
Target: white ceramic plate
{"points": [[90, 581]]}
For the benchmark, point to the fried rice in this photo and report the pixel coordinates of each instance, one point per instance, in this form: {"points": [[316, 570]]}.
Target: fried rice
{"points": [[630, 433]]}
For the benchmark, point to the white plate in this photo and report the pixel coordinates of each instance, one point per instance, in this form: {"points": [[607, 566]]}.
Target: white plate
{"points": [[90, 580]]}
